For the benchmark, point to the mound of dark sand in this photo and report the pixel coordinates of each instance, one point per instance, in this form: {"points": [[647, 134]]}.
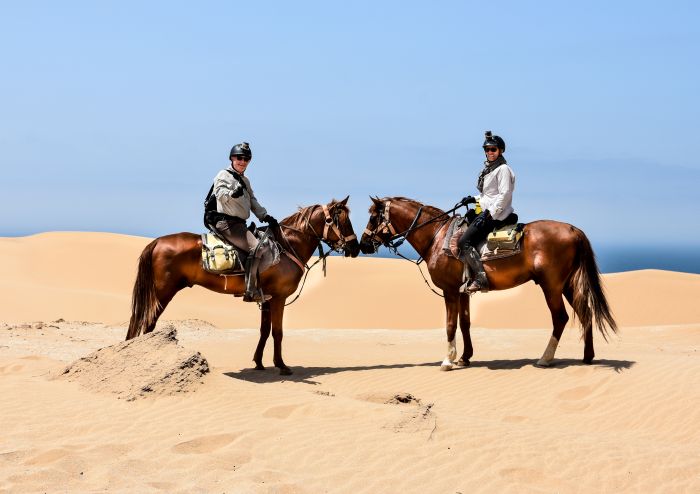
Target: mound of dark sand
{"points": [[152, 364]]}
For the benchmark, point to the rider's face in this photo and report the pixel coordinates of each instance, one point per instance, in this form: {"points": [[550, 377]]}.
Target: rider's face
{"points": [[240, 163], [492, 152]]}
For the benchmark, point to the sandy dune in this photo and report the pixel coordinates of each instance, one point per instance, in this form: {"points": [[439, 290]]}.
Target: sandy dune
{"points": [[367, 409]]}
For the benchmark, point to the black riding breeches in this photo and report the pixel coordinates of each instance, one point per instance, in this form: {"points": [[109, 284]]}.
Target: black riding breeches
{"points": [[477, 231]]}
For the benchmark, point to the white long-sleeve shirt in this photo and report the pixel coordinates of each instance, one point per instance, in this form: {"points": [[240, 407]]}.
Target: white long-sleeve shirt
{"points": [[224, 185], [497, 196]]}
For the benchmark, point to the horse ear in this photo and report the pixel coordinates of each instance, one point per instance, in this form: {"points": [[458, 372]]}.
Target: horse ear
{"points": [[375, 200], [344, 202]]}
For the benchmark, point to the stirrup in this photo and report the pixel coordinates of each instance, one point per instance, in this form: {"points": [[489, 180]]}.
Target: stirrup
{"points": [[257, 296]]}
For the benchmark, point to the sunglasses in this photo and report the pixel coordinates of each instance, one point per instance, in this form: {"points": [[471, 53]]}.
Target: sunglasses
{"points": [[490, 150], [241, 158]]}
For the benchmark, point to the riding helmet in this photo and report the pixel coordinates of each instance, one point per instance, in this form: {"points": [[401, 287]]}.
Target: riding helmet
{"points": [[492, 140], [242, 149]]}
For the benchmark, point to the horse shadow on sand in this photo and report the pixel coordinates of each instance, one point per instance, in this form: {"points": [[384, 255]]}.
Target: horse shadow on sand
{"points": [[306, 375]]}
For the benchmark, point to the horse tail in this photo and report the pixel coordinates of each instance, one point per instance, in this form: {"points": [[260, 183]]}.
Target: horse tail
{"points": [[144, 302], [589, 300]]}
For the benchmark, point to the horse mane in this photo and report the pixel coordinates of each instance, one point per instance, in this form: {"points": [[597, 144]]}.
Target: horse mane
{"points": [[427, 209], [299, 219]]}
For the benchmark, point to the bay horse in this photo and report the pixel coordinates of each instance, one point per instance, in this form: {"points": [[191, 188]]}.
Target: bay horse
{"points": [[173, 262], [556, 256]]}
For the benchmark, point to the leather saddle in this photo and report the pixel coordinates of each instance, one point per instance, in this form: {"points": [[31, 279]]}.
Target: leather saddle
{"points": [[504, 241]]}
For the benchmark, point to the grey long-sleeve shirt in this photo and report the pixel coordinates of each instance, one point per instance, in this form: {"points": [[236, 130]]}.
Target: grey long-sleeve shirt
{"points": [[224, 185]]}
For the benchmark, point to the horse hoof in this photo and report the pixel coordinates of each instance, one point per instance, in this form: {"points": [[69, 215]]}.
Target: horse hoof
{"points": [[444, 367], [462, 363], [588, 361], [259, 367], [285, 371], [543, 364]]}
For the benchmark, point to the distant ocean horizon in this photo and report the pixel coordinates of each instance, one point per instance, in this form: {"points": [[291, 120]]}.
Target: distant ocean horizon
{"points": [[611, 259], [617, 259]]}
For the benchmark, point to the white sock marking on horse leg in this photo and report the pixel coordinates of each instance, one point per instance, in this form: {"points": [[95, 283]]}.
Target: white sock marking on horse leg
{"points": [[548, 354], [451, 356]]}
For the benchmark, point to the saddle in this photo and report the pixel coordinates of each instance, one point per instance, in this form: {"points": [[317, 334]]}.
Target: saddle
{"points": [[502, 242], [220, 257]]}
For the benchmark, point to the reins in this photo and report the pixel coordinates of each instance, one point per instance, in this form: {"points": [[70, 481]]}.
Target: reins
{"points": [[330, 223], [395, 241]]}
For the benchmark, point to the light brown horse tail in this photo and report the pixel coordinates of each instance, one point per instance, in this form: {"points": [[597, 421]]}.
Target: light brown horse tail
{"points": [[144, 302], [589, 300]]}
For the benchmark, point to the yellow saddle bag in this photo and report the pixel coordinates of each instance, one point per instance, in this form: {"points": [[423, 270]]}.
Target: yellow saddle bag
{"points": [[505, 238], [217, 256]]}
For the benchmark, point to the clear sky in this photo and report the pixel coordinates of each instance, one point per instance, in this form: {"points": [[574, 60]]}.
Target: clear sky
{"points": [[116, 116]]}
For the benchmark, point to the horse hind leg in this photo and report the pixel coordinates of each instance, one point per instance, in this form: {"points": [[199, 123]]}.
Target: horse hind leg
{"points": [[555, 302], [588, 351]]}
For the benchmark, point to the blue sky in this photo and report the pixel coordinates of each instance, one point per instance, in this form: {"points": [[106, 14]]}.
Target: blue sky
{"points": [[116, 116]]}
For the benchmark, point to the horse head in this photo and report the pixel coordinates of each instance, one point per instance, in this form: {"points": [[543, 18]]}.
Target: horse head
{"points": [[337, 228], [379, 229]]}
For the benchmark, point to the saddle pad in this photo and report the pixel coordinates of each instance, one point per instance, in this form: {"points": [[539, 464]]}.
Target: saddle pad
{"points": [[219, 257]]}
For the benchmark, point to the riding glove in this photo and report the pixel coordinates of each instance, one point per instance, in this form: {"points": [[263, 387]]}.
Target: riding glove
{"points": [[237, 191], [468, 200], [270, 220]]}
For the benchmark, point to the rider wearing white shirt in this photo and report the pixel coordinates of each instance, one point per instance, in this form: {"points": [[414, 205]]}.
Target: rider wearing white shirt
{"points": [[496, 183]]}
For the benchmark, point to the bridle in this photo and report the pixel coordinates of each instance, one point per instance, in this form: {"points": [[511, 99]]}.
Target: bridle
{"points": [[396, 239], [340, 245]]}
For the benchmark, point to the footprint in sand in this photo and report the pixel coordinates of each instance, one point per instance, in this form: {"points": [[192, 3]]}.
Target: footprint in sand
{"points": [[47, 457], [581, 392], [280, 412], [204, 444]]}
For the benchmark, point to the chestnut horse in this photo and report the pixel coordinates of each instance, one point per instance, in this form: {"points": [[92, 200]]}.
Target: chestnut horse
{"points": [[557, 256], [173, 262]]}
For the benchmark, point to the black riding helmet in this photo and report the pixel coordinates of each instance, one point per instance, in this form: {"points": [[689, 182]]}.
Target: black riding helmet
{"points": [[492, 140], [242, 149]]}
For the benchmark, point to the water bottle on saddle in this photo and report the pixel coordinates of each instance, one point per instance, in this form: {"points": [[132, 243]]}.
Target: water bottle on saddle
{"points": [[496, 183], [228, 206]]}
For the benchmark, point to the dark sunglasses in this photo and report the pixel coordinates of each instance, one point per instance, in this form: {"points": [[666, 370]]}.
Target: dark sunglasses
{"points": [[242, 158], [490, 150]]}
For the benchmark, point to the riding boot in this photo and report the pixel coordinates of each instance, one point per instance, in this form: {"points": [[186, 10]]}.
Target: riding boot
{"points": [[479, 281], [252, 293]]}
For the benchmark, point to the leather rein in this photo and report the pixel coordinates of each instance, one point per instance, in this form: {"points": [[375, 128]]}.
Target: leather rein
{"points": [[330, 223], [396, 239]]}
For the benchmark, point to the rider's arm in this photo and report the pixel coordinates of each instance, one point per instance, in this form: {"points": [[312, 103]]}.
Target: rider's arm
{"points": [[255, 206], [224, 183]]}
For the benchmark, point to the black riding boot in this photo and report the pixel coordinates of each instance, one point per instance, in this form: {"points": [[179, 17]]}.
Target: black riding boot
{"points": [[478, 280], [252, 293]]}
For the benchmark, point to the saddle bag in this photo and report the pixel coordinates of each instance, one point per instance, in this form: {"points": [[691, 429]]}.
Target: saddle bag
{"points": [[219, 256], [505, 238]]}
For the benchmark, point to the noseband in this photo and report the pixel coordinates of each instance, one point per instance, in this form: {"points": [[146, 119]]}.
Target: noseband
{"points": [[384, 227], [332, 223]]}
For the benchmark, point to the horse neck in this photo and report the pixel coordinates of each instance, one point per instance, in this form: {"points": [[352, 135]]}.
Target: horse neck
{"points": [[420, 239], [305, 241]]}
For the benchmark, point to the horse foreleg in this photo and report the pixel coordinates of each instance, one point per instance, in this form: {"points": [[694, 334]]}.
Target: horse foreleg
{"points": [[265, 325], [464, 326], [276, 313], [555, 302], [452, 311]]}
